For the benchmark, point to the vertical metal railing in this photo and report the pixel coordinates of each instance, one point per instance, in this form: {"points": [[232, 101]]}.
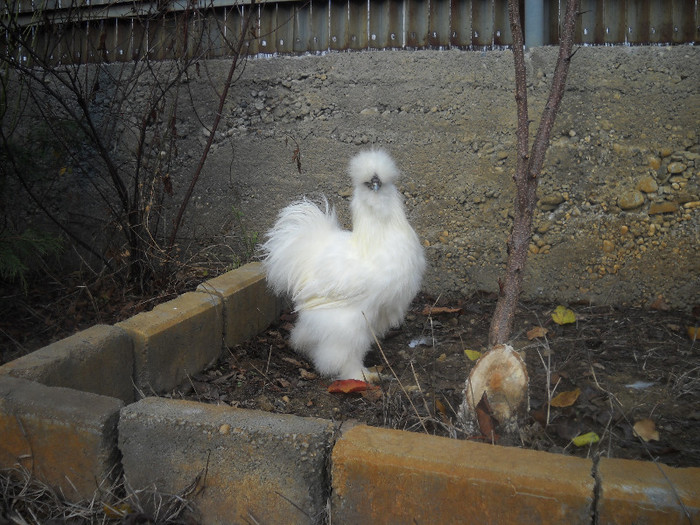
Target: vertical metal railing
{"points": [[120, 30]]}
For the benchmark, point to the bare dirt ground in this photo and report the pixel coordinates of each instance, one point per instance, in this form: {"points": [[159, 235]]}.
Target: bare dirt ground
{"points": [[629, 364]]}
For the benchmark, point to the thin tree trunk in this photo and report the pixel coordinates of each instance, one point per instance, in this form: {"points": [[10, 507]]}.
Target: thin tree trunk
{"points": [[215, 126], [529, 165]]}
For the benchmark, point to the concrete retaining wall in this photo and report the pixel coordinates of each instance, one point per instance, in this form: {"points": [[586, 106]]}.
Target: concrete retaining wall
{"points": [[67, 413]]}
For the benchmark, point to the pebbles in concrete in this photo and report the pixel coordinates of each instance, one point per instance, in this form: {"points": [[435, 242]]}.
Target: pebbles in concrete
{"points": [[251, 466]]}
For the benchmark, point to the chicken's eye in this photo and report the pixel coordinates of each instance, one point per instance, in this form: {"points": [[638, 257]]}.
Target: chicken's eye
{"points": [[374, 183]]}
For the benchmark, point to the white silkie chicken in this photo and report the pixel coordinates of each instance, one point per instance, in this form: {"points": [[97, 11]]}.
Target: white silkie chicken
{"points": [[347, 286]]}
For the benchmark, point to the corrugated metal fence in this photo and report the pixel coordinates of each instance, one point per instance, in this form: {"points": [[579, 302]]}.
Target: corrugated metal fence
{"points": [[118, 30]]}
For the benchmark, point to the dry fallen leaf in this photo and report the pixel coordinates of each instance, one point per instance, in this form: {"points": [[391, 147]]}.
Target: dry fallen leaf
{"points": [[292, 361], [565, 399], [535, 332], [373, 394], [660, 304], [437, 310], [305, 374], [283, 382], [350, 386], [562, 315], [440, 408], [646, 429]]}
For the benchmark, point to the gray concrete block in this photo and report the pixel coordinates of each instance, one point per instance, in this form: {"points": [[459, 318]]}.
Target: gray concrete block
{"points": [[66, 438], [253, 467], [174, 340], [249, 306], [98, 360]]}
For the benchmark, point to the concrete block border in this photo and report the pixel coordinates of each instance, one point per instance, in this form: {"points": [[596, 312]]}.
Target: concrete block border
{"points": [[74, 414]]}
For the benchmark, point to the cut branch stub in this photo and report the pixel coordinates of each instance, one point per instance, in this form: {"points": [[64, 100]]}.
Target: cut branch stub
{"points": [[500, 374]]}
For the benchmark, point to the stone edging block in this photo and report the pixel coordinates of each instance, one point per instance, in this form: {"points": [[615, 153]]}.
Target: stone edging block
{"points": [[65, 437], [649, 493], [99, 359], [249, 307], [390, 476], [175, 339], [252, 466]]}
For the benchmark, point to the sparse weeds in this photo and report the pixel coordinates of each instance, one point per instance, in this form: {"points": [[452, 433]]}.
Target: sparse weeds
{"points": [[26, 500], [247, 240], [686, 384]]}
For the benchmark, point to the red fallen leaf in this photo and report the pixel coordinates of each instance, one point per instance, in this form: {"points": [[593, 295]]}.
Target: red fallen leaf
{"points": [[350, 386], [437, 310]]}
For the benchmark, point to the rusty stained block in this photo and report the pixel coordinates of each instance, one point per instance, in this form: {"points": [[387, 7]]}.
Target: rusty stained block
{"points": [[389, 476], [64, 437], [647, 493]]}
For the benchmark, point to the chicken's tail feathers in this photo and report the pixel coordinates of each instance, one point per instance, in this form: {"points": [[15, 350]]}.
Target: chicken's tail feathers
{"points": [[299, 230]]}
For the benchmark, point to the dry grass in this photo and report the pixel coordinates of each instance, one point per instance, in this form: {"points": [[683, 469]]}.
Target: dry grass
{"points": [[26, 500]]}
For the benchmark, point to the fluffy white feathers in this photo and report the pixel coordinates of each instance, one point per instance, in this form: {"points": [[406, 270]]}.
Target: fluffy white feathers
{"points": [[346, 285]]}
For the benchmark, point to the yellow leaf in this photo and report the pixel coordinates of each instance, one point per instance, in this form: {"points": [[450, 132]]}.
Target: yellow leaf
{"points": [[566, 399], [585, 439], [473, 355], [535, 332], [62, 171], [442, 358], [694, 333], [646, 429], [562, 315]]}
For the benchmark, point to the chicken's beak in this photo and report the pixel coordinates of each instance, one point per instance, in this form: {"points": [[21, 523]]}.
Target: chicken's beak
{"points": [[374, 183]]}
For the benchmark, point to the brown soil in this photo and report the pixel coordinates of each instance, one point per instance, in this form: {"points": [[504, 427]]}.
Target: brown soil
{"points": [[629, 364]]}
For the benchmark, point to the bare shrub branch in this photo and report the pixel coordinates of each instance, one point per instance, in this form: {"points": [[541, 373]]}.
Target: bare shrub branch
{"points": [[529, 165]]}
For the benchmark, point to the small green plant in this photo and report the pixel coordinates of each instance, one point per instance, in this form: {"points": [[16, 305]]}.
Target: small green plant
{"points": [[18, 251]]}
